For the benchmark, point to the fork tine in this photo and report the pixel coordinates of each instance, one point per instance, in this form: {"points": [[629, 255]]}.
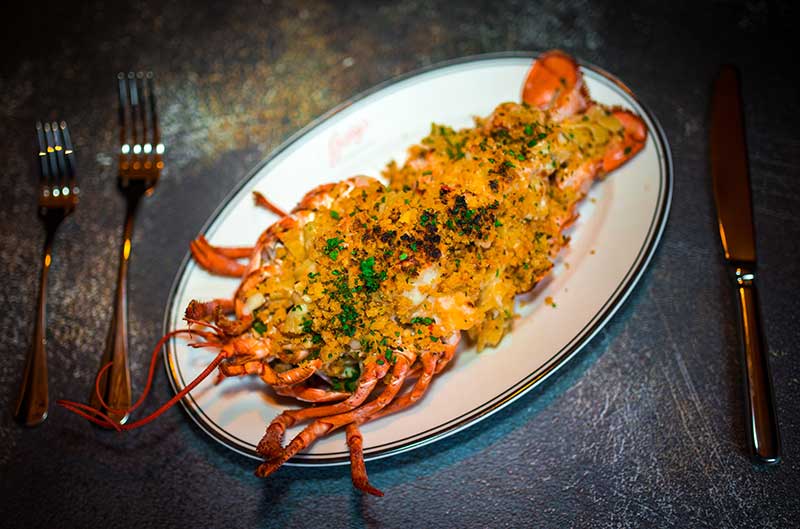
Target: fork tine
{"points": [[140, 134], [158, 149], [122, 92], [153, 109], [147, 116], [125, 127], [135, 121], [44, 165], [143, 112], [147, 129], [51, 159], [69, 157], [63, 179]]}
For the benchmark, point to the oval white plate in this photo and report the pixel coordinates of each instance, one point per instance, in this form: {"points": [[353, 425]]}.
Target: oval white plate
{"points": [[619, 226]]}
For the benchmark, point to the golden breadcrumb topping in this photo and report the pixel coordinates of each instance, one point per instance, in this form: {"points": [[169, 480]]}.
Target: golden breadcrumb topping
{"points": [[470, 220]]}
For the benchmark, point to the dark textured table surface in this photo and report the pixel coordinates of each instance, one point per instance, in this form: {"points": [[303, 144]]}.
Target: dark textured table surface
{"points": [[643, 428]]}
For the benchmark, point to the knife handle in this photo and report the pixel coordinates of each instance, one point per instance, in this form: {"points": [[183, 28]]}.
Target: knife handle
{"points": [[762, 427]]}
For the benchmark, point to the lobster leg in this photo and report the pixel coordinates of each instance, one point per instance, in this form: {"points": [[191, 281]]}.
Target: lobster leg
{"points": [[252, 367], [325, 425], [215, 259], [449, 353], [262, 201], [354, 439], [307, 394], [358, 470], [201, 310], [292, 376], [216, 311], [270, 444], [234, 252], [269, 375], [429, 362]]}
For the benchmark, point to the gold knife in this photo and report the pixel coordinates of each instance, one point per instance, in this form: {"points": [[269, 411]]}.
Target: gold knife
{"points": [[731, 181]]}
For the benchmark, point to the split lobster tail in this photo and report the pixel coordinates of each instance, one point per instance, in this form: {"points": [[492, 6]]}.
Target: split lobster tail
{"points": [[633, 140], [555, 84]]}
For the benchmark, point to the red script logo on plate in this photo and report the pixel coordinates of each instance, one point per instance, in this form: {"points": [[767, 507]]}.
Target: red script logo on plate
{"points": [[338, 143]]}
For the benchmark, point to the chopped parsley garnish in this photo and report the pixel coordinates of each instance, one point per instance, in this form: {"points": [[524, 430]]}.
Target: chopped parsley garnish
{"points": [[259, 327], [316, 338], [455, 149], [428, 218], [536, 140], [370, 278], [333, 246], [348, 318], [403, 256], [424, 320]]}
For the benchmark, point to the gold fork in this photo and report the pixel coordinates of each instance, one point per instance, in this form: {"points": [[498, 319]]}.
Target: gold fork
{"points": [[140, 164], [58, 196]]}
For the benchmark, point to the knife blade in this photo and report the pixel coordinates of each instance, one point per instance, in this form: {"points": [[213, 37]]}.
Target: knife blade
{"points": [[731, 182], [729, 172]]}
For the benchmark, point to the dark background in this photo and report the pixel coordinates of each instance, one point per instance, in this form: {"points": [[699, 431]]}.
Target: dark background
{"points": [[643, 428]]}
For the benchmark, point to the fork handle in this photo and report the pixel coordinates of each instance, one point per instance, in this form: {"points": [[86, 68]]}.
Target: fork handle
{"points": [[762, 421], [33, 397], [115, 386]]}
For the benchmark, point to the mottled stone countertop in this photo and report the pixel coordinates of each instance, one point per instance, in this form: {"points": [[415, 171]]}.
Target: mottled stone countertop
{"points": [[643, 428]]}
